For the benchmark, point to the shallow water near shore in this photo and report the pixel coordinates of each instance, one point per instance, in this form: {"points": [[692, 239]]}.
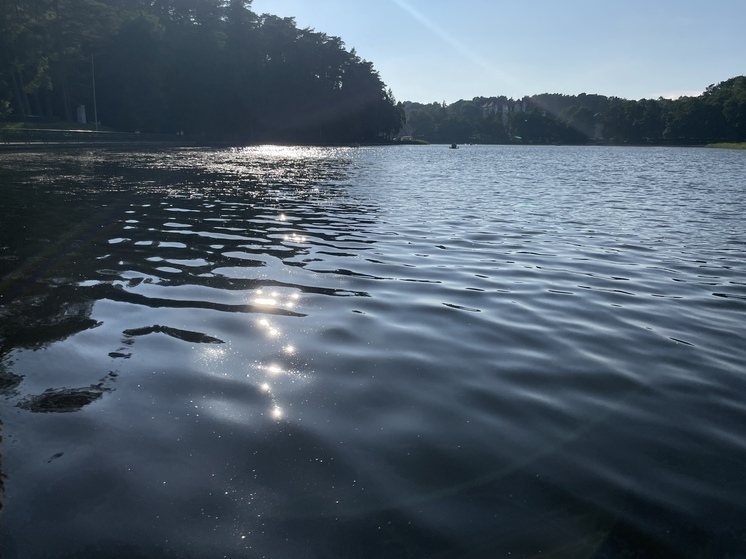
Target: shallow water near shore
{"points": [[373, 352]]}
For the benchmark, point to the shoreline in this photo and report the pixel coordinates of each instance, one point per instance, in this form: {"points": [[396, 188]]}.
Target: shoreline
{"points": [[49, 146], [30, 146]]}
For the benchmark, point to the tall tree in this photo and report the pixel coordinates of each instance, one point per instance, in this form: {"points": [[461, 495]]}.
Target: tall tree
{"points": [[130, 76], [24, 60]]}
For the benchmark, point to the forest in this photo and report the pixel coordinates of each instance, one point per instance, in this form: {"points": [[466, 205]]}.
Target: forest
{"points": [[717, 115], [211, 69]]}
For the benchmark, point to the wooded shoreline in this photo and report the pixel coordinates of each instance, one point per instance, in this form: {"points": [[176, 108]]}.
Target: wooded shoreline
{"points": [[55, 136], [134, 141]]}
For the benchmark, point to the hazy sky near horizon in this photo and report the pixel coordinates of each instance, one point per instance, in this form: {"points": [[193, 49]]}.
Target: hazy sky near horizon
{"points": [[446, 50]]}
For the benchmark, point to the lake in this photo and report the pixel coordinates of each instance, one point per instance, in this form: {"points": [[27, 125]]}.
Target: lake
{"points": [[495, 351]]}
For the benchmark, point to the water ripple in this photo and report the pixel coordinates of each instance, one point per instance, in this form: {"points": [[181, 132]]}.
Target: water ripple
{"points": [[374, 351]]}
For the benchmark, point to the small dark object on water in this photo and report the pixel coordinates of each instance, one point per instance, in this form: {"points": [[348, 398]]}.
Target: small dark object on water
{"points": [[55, 456], [454, 146]]}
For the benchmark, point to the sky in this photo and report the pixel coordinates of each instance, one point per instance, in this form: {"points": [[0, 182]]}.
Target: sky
{"points": [[446, 50]]}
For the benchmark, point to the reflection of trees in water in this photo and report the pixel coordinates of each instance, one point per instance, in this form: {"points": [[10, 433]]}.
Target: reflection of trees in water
{"points": [[35, 323], [44, 212], [8, 380], [54, 208], [63, 400]]}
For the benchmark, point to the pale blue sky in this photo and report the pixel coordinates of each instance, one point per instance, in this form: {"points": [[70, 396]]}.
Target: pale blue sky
{"points": [[446, 50]]}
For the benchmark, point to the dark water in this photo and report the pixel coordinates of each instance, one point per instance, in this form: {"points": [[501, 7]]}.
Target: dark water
{"points": [[375, 352]]}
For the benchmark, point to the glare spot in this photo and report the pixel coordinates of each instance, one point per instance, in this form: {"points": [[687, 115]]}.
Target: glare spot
{"points": [[266, 301], [214, 352], [266, 387], [296, 238], [274, 370], [276, 413], [282, 217], [289, 349]]}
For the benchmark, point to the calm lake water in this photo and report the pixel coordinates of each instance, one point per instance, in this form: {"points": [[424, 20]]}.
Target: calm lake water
{"points": [[377, 352]]}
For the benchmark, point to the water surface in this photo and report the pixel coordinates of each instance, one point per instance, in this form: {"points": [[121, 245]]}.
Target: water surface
{"points": [[373, 352]]}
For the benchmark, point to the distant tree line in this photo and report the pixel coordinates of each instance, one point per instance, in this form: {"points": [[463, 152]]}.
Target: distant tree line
{"points": [[718, 115], [212, 68]]}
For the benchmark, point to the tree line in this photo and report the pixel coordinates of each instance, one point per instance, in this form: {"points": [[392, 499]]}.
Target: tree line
{"points": [[211, 68], [717, 115]]}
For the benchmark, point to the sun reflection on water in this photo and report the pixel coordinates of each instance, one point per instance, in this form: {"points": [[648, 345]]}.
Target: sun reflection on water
{"points": [[286, 152], [295, 238], [277, 372], [280, 370], [214, 352], [274, 370]]}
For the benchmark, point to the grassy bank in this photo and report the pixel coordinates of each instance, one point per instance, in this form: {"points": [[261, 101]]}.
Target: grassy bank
{"points": [[56, 125], [728, 145], [47, 135]]}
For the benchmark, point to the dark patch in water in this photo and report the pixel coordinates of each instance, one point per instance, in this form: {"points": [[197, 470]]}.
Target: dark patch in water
{"points": [[461, 307], [729, 296], [120, 295], [55, 456], [8, 381], [186, 335], [678, 341], [63, 400]]}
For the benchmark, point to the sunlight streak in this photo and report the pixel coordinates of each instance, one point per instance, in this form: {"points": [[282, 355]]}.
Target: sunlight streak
{"points": [[453, 42]]}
